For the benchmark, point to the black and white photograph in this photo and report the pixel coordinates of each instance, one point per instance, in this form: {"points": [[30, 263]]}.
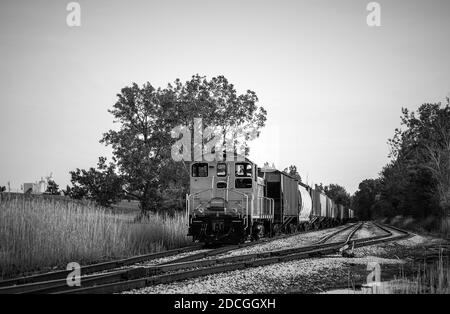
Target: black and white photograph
{"points": [[225, 155]]}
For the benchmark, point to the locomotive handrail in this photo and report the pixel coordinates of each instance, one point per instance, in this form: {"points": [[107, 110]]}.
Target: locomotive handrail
{"points": [[246, 217], [187, 208], [228, 187], [246, 203], [273, 208], [268, 204], [188, 200]]}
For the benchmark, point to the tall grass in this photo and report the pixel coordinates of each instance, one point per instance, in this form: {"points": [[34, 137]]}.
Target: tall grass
{"points": [[434, 277], [430, 278], [40, 233]]}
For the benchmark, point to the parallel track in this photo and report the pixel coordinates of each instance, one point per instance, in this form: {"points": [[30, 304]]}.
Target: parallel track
{"points": [[190, 266], [13, 284], [89, 269], [352, 227], [176, 272], [115, 264]]}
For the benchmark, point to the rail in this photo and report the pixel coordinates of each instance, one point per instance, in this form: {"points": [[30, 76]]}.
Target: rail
{"points": [[186, 267], [262, 201], [162, 274]]}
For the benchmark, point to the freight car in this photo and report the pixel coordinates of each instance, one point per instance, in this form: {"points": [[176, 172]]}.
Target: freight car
{"points": [[232, 201]]}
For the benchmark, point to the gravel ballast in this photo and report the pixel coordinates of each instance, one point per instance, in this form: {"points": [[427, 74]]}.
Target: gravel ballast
{"points": [[301, 276]]}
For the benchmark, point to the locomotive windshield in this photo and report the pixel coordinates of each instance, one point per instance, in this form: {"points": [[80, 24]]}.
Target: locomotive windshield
{"points": [[200, 170], [243, 170], [221, 169]]}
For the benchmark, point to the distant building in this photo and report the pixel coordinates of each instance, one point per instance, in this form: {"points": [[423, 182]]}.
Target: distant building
{"points": [[35, 188]]}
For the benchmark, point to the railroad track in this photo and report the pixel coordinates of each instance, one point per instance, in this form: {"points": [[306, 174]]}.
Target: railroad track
{"points": [[89, 269], [190, 266], [351, 228], [177, 272], [111, 265], [14, 285]]}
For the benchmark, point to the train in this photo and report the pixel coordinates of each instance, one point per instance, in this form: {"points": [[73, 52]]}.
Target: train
{"points": [[230, 202]]}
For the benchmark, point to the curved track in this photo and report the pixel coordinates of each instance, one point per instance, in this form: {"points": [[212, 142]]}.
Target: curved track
{"points": [[193, 265], [16, 284]]}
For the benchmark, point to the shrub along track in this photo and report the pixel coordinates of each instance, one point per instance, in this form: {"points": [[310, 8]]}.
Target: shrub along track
{"points": [[191, 266]]}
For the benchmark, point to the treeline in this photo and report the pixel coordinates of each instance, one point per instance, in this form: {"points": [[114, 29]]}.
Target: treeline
{"points": [[416, 182]]}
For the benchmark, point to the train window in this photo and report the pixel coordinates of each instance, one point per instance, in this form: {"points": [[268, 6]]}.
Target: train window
{"points": [[200, 170], [221, 185], [243, 170], [243, 184], [222, 169]]}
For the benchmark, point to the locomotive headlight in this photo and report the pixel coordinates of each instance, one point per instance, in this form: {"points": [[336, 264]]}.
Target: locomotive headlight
{"points": [[200, 210]]}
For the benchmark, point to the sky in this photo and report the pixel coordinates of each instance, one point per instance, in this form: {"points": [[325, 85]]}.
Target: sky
{"points": [[333, 87]]}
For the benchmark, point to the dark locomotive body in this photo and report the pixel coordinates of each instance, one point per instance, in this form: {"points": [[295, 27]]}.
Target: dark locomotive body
{"points": [[232, 201]]}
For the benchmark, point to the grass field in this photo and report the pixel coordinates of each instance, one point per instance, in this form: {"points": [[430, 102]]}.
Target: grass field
{"points": [[39, 234]]}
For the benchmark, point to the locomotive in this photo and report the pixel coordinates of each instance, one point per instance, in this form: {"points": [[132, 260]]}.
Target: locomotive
{"points": [[232, 201]]}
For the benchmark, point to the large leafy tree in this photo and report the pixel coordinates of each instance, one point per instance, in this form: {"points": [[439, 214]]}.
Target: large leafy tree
{"points": [[143, 141], [218, 104], [141, 145], [338, 193]]}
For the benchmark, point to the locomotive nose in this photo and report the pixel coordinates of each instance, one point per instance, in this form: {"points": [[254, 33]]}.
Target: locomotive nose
{"points": [[217, 204]]}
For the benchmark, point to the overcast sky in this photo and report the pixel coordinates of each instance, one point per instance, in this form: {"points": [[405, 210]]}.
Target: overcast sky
{"points": [[333, 86]]}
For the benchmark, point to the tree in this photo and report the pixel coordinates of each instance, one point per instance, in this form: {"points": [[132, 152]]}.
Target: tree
{"points": [[338, 194], [292, 171], [52, 188], [365, 198], [319, 187], [423, 146], [268, 166], [218, 104], [102, 185], [142, 143], [416, 182], [2, 189], [67, 191]]}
